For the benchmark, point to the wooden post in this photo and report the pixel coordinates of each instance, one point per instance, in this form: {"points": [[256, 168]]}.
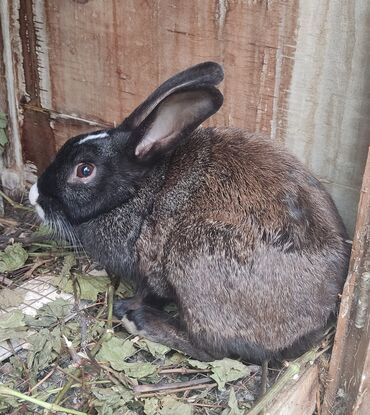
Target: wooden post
{"points": [[348, 386]]}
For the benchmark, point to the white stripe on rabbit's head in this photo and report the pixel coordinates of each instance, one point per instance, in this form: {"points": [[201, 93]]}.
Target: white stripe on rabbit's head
{"points": [[93, 137]]}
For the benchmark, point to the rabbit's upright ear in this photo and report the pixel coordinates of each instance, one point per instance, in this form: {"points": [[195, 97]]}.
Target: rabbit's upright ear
{"points": [[175, 109]]}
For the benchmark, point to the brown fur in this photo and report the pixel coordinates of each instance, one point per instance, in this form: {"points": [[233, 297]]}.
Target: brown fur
{"points": [[252, 251]]}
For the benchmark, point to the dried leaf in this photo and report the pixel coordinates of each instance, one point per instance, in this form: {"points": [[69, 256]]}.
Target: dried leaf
{"points": [[151, 406], [50, 313], [155, 349], [227, 370], [197, 364], [10, 298], [12, 258], [41, 354], [88, 287], [232, 404], [171, 406], [111, 398], [115, 351], [137, 370]]}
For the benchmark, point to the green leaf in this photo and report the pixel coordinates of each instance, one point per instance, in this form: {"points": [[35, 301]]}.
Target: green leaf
{"points": [[197, 364], [3, 137], [3, 140], [175, 359], [232, 404], [12, 258], [227, 370], [151, 406], [42, 231], [12, 325], [12, 319], [10, 334], [171, 406], [155, 349], [50, 313], [137, 370], [115, 351], [3, 120], [68, 262], [88, 287]]}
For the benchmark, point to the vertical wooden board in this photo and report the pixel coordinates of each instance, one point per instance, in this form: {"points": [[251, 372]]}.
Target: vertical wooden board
{"points": [[3, 91], [328, 123], [105, 57], [348, 374], [252, 41]]}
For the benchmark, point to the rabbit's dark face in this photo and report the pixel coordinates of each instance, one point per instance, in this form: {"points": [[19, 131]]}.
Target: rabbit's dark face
{"points": [[90, 175], [95, 173]]}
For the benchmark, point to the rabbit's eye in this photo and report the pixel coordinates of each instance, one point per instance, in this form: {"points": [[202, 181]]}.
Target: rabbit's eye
{"points": [[84, 170]]}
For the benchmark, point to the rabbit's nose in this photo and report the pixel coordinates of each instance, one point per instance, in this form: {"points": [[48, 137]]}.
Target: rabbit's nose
{"points": [[33, 195]]}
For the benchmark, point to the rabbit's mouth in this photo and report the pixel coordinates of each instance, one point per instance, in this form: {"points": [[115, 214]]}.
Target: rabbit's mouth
{"points": [[33, 197], [54, 219]]}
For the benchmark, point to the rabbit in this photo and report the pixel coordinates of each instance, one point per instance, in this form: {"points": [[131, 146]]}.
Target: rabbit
{"points": [[224, 223]]}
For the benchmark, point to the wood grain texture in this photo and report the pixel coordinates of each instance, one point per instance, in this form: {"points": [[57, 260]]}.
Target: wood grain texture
{"points": [[299, 396], [348, 379], [106, 57], [296, 70]]}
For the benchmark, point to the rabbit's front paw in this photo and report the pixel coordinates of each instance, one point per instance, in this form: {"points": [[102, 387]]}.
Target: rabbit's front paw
{"points": [[133, 322], [123, 306]]}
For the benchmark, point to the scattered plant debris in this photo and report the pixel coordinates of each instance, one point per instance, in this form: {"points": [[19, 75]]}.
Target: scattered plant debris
{"points": [[75, 357]]}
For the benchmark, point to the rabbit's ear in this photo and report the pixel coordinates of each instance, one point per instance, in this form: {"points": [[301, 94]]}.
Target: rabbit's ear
{"points": [[204, 74], [174, 117]]}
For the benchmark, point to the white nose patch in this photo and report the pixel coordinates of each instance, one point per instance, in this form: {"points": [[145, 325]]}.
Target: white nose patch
{"points": [[33, 195]]}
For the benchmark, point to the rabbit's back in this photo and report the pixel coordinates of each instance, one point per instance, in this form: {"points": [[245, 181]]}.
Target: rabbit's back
{"points": [[247, 240]]}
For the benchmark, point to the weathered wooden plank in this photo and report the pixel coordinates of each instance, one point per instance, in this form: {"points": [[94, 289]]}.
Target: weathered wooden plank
{"points": [[105, 57], [296, 70], [348, 378], [328, 108], [299, 396]]}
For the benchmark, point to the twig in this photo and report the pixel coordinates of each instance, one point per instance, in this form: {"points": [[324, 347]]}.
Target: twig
{"points": [[110, 296], [264, 374], [69, 375], [208, 405], [183, 371], [66, 388], [77, 385], [169, 386], [5, 391], [72, 351], [6, 281], [42, 380], [34, 267], [8, 222], [318, 402], [15, 205], [293, 369], [173, 391]]}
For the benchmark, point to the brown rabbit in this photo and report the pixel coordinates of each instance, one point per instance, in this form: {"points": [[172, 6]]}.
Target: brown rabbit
{"points": [[226, 224]]}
